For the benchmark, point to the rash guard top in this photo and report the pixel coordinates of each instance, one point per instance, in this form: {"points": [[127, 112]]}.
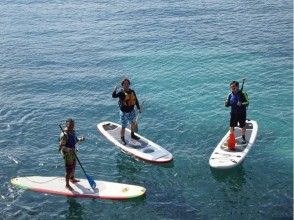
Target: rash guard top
{"points": [[234, 98]]}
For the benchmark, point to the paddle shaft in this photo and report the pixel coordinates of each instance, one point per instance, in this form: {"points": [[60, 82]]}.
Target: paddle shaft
{"points": [[242, 84], [74, 153], [137, 118], [141, 110]]}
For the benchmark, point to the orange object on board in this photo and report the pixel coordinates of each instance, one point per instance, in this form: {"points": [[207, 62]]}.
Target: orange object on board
{"points": [[232, 141]]}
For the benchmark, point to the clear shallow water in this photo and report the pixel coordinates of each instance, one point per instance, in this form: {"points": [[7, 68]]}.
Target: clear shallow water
{"points": [[61, 59]]}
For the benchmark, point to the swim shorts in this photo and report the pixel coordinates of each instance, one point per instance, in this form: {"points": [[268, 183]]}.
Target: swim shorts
{"points": [[127, 117]]}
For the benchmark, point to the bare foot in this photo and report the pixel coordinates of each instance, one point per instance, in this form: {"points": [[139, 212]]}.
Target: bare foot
{"points": [[74, 180], [69, 187]]}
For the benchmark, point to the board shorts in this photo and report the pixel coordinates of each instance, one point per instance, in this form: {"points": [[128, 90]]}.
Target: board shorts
{"points": [[69, 162], [238, 118], [127, 117]]}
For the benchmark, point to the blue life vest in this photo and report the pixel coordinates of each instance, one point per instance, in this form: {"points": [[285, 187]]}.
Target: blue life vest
{"points": [[71, 140]]}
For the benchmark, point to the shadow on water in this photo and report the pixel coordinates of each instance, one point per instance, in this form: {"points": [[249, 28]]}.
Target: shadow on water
{"points": [[131, 168], [234, 177], [170, 164], [125, 160], [75, 209], [127, 165]]}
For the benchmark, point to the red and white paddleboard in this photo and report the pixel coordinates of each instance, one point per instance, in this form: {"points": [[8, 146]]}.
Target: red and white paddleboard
{"points": [[56, 185], [143, 148]]}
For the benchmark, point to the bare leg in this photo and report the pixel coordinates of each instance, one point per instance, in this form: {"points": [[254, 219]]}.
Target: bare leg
{"points": [[67, 177], [243, 131], [122, 132], [72, 175], [122, 136], [133, 125]]}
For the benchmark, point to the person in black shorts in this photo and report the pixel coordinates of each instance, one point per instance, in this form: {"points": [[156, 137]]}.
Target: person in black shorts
{"points": [[238, 100]]}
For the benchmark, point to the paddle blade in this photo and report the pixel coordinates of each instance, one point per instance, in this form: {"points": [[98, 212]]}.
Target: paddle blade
{"points": [[91, 182]]}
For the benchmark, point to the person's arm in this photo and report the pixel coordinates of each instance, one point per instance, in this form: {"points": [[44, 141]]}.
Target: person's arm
{"points": [[227, 101], [62, 143], [115, 94]]}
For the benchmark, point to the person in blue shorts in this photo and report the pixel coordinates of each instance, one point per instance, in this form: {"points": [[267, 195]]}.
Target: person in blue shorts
{"points": [[238, 100], [127, 101]]}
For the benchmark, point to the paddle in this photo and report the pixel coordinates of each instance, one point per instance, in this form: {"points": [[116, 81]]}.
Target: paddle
{"points": [[243, 80], [138, 115], [90, 179]]}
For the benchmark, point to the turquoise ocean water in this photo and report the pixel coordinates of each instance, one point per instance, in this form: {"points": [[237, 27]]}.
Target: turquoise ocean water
{"points": [[62, 58]]}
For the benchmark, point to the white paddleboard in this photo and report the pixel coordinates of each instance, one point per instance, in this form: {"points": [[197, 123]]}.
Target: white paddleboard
{"points": [[223, 158], [143, 148], [56, 185]]}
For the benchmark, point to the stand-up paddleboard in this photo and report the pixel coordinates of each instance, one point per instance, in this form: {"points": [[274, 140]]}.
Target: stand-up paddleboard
{"points": [[143, 148], [56, 185], [224, 158]]}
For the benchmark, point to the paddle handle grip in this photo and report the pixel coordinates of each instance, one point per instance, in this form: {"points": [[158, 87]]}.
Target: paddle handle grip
{"points": [[243, 81]]}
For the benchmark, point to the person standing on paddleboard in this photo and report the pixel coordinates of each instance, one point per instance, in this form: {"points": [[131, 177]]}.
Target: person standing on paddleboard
{"points": [[238, 100], [127, 101], [68, 141]]}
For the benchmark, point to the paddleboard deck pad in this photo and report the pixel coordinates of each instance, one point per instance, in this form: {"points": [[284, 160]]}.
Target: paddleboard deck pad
{"points": [[143, 148], [223, 158], [56, 185]]}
